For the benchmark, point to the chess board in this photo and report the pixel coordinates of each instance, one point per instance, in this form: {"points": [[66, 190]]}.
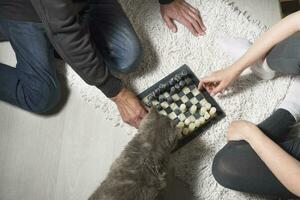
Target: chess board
{"points": [[178, 97]]}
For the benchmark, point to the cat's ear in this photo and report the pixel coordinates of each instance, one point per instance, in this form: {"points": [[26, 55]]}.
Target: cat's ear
{"points": [[153, 111], [152, 114]]}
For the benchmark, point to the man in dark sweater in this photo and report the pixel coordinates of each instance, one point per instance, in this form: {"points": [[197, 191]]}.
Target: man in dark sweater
{"points": [[94, 37]]}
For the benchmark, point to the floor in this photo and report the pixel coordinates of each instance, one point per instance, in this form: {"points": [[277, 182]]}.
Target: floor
{"points": [[65, 155]]}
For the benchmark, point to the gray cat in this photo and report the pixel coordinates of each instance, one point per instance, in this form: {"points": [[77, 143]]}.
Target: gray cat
{"points": [[140, 171]]}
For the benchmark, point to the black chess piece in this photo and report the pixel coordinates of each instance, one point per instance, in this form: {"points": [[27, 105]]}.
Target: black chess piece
{"points": [[184, 74], [161, 98], [188, 104], [157, 92], [177, 78], [150, 98], [162, 88], [172, 90], [177, 87], [167, 86], [176, 121], [149, 103], [182, 83], [171, 81], [188, 81], [177, 111], [158, 107], [169, 99]]}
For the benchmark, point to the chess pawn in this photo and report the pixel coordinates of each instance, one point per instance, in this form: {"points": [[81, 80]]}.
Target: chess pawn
{"points": [[182, 107], [203, 102], [203, 111], [177, 78], [159, 107], [177, 87], [197, 123], [161, 98], [185, 131], [192, 127], [193, 109], [181, 84], [213, 111], [172, 90], [207, 106], [179, 135], [171, 81], [202, 120], [169, 99], [187, 121], [180, 125], [206, 115], [188, 81], [183, 74]]}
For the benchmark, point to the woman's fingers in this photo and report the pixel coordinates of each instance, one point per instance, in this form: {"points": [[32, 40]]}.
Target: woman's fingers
{"points": [[218, 89], [211, 84], [207, 80]]}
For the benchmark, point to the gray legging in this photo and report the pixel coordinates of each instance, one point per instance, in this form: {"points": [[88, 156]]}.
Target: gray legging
{"points": [[237, 166]]}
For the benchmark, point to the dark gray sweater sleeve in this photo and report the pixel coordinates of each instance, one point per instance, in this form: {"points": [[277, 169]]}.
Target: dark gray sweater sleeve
{"points": [[165, 1], [73, 43]]}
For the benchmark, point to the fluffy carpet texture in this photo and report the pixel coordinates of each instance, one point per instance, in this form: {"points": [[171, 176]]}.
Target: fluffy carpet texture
{"points": [[249, 98]]}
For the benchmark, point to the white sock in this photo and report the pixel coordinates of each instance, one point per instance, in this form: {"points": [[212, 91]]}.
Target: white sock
{"points": [[291, 101], [262, 70], [236, 47]]}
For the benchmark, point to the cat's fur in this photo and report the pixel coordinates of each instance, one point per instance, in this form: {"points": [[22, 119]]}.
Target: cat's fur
{"points": [[140, 171]]}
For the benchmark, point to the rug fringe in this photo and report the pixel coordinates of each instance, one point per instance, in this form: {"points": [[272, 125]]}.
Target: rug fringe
{"points": [[237, 10]]}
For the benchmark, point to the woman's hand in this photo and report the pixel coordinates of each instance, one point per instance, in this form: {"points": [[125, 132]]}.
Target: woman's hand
{"points": [[219, 80], [240, 130], [282, 164]]}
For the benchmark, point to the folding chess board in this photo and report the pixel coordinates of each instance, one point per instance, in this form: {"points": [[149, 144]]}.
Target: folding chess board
{"points": [[178, 97]]}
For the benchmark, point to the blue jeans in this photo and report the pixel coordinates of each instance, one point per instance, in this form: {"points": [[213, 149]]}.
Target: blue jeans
{"points": [[33, 84]]}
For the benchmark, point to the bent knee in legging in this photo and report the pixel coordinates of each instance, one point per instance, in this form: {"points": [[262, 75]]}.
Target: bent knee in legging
{"points": [[285, 56], [239, 168], [231, 165], [223, 168]]}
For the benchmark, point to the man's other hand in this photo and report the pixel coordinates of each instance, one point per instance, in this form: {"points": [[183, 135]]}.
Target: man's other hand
{"points": [[184, 13], [131, 109]]}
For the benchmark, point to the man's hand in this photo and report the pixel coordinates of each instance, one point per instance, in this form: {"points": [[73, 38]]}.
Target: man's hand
{"points": [[219, 80], [130, 108], [185, 14]]}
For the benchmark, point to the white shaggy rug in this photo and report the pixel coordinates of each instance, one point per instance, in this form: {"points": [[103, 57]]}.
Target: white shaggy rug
{"points": [[250, 98]]}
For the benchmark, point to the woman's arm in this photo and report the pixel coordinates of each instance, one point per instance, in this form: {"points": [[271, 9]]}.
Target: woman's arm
{"points": [[280, 31], [283, 166], [220, 80]]}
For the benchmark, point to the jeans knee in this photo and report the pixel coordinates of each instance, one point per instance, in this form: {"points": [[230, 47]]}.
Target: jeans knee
{"points": [[43, 100], [131, 58]]}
